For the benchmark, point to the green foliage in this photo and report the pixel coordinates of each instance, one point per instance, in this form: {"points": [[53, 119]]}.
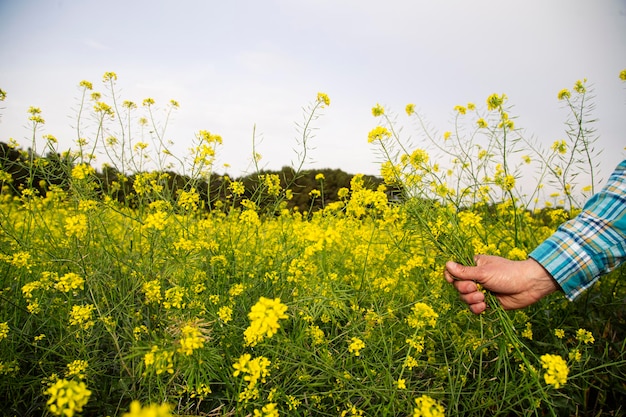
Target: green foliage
{"points": [[177, 285]]}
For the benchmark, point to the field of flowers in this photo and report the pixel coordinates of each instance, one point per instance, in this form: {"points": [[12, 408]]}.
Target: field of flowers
{"points": [[172, 301]]}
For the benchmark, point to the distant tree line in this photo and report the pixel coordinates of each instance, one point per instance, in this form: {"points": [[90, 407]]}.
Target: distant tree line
{"points": [[30, 171]]}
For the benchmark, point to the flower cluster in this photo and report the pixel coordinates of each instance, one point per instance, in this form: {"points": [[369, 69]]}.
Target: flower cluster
{"points": [[556, 370], [67, 397], [264, 316], [426, 406]]}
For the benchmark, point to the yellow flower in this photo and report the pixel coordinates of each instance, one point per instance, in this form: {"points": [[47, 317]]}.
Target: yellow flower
{"points": [[564, 94], [76, 226], [86, 85], [254, 370], [410, 109], [495, 101], [622, 75], [482, 123], [323, 98], [460, 109], [421, 315], [425, 406], [356, 345], [161, 360], [556, 370], [584, 336], [67, 397], [378, 133], [264, 316], [225, 313], [191, 339], [69, 282], [560, 333], [320, 177], [4, 330], [82, 316], [378, 110], [401, 383], [156, 220], [559, 146], [579, 86], [82, 171], [268, 410], [447, 135], [77, 369], [136, 410]]}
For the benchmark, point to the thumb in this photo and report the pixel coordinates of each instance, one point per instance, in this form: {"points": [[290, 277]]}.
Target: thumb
{"points": [[462, 272]]}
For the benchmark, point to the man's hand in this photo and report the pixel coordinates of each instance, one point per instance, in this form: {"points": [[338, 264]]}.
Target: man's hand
{"points": [[516, 284]]}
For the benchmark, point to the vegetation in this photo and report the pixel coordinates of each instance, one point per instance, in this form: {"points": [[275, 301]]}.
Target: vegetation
{"points": [[135, 291]]}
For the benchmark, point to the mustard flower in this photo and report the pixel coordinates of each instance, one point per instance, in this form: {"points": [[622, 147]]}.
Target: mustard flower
{"points": [[460, 109], [556, 370], [264, 316], [82, 316], [156, 221], [86, 85], [82, 171], [425, 406], [109, 76], [67, 397], [268, 410], [575, 355], [35, 115], [69, 282], [3, 95], [584, 336], [564, 94], [174, 298], [401, 383], [410, 109], [315, 193], [188, 200], [482, 123], [560, 333], [191, 339], [77, 368], [559, 146], [356, 345], [160, 360], [495, 101], [4, 330], [76, 226], [148, 102], [579, 86], [378, 110], [378, 133], [152, 410], [447, 135], [622, 75], [319, 177], [323, 98], [254, 370], [422, 315], [528, 331], [517, 254], [418, 158], [152, 291]]}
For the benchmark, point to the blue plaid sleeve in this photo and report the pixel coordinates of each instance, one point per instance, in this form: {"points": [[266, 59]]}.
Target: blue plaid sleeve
{"points": [[591, 244]]}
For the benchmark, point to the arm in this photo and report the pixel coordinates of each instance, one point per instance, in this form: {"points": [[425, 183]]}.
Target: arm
{"points": [[591, 244], [582, 249]]}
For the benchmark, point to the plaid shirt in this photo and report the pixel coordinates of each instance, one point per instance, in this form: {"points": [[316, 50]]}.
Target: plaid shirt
{"points": [[591, 244]]}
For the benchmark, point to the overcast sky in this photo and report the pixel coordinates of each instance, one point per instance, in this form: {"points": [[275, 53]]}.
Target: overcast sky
{"points": [[235, 64]]}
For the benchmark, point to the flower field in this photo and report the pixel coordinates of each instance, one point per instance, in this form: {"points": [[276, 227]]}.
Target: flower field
{"points": [[128, 296]]}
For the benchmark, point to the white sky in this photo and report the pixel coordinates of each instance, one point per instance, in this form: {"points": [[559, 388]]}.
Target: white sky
{"points": [[233, 64]]}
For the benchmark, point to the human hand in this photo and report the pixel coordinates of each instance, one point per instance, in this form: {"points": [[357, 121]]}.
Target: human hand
{"points": [[516, 284]]}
